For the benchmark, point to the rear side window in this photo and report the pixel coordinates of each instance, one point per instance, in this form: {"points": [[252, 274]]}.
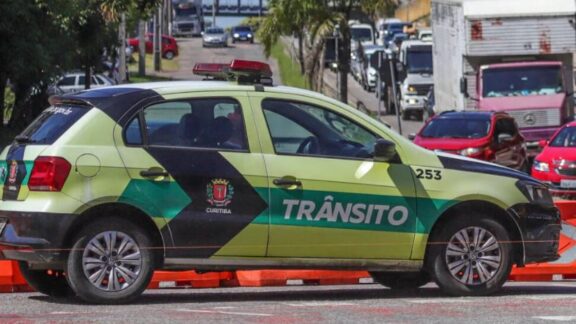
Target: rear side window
{"points": [[52, 123]]}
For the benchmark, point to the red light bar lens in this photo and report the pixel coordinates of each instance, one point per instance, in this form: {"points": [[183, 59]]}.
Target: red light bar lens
{"points": [[208, 68], [255, 67]]}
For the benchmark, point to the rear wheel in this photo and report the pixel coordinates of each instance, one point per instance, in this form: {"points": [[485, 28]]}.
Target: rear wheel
{"points": [[110, 262], [472, 256], [401, 280], [48, 282]]}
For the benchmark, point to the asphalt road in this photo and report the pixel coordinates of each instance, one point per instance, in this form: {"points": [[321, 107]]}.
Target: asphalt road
{"points": [[364, 303]]}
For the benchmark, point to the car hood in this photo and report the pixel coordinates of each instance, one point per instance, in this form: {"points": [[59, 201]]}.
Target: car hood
{"points": [[461, 163], [557, 153], [452, 144]]}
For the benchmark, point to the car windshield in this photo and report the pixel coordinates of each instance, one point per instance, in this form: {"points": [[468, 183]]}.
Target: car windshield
{"points": [[522, 81], [565, 138], [419, 59], [456, 128], [214, 31], [361, 34], [185, 10], [242, 29]]}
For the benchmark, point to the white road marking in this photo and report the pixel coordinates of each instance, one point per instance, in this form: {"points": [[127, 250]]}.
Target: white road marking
{"points": [[438, 301], [64, 313], [313, 304], [220, 312], [546, 297], [557, 318], [224, 307]]}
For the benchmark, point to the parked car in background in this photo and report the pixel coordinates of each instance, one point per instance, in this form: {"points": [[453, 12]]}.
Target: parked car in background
{"points": [[556, 164], [214, 36], [369, 75], [169, 45], [242, 34], [488, 136], [76, 81]]}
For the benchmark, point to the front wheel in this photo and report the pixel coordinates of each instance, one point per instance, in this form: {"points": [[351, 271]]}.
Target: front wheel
{"points": [[110, 262], [169, 55], [401, 280], [471, 256], [48, 282]]}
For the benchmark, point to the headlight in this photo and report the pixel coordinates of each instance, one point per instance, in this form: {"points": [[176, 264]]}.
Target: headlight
{"points": [[541, 166], [411, 90], [249, 35], [236, 35], [471, 151], [535, 192]]}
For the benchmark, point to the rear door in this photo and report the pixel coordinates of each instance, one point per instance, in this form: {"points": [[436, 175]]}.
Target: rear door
{"points": [[196, 162]]}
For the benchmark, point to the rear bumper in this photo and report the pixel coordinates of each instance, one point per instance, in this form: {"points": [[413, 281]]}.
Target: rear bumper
{"points": [[540, 229], [35, 237]]}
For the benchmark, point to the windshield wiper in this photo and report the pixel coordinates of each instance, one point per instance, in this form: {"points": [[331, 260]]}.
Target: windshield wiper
{"points": [[22, 139]]}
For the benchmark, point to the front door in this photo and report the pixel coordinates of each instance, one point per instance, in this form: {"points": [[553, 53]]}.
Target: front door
{"points": [[329, 198], [196, 167]]}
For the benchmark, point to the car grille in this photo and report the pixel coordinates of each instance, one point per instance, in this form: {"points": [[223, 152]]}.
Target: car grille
{"points": [[536, 118], [421, 89], [186, 25], [564, 167]]}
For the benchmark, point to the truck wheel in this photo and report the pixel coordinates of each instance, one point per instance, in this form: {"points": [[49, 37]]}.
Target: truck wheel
{"points": [[472, 256], [48, 282], [401, 280], [110, 262]]}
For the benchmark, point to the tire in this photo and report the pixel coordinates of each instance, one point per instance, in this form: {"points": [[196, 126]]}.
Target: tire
{"points": [[100, 290], [405, 115], [496, 258], [401, 280], [169, 55], [52, 283]]}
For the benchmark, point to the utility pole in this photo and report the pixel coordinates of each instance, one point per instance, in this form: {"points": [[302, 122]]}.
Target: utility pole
{"points": [[337, 59], [141, 48], [122, 68], [215, 6], [157, 40]]}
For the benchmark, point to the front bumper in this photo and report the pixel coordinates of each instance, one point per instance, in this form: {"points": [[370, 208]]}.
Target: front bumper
{"points": [[412, 102], [35, 237], [540, 231]]}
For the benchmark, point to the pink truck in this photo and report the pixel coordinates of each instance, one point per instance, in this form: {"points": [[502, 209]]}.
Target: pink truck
{"points": [[517, 58]]}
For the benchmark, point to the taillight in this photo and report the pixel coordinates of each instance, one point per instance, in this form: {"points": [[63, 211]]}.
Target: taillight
{"points": [[49, 174]]}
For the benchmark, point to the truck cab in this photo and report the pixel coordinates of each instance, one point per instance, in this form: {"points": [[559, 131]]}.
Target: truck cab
{"points": [[187, 18], [361, 34], [534, 93], [416, 76]]}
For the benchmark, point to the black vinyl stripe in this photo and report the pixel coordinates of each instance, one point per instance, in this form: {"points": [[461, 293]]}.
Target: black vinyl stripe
{"points": [[471, 166]]}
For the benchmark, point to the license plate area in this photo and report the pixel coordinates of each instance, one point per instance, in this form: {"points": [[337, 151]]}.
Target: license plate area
{"points": [[569, 184]]}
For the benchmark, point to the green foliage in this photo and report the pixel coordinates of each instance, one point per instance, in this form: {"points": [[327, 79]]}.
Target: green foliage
{"points": [[289, 72], [253, 22]]}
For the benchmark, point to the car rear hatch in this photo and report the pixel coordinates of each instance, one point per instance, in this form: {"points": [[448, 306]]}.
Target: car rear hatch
{"points": [[17, 162]]}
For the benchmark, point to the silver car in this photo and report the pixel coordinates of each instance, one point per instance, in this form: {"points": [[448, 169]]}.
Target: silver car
{"points": [[214, 36]]}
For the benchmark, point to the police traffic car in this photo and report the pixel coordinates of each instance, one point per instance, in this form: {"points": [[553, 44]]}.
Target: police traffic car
{"points": [[110, 184]]}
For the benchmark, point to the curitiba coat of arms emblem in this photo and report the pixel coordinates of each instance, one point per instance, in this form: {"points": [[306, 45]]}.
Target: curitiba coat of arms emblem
{"points": [[219, 192]]}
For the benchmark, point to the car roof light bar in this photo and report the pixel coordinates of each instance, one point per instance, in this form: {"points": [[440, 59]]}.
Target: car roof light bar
{"points": [[242, 71]]}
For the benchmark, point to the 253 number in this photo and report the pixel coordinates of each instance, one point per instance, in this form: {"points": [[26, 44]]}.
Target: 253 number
{"points": [[428, 174]]}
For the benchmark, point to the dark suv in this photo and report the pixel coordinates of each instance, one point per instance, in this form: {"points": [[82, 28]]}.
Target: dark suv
{"points": [[490, 136], [242, 33]]}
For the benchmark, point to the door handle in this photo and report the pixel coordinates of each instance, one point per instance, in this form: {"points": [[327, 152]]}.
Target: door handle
{"points": [[284, 182], [153, 173]]}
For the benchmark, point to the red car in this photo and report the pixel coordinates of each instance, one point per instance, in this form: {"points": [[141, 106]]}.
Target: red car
{"points": [[484, 135], [556, 164], [169, 45]]}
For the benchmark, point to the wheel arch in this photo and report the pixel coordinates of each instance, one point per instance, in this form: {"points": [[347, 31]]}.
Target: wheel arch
{"points": [[487, 209], [127, 212]]}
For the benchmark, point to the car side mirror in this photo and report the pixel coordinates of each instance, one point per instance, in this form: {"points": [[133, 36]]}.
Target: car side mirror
{"points": [[504, 138], [542, 143], [411, 136], [384, 150]]}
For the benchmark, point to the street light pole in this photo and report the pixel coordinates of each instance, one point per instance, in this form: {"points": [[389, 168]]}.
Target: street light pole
{"points": [[337, 48]]}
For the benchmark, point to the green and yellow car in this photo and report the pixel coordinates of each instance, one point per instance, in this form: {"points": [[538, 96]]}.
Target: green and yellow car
{"points": [[108, 185]]}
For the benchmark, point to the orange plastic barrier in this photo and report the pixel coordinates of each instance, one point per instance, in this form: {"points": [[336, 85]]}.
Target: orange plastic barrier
{"points": [[165, 279], [257, 278], [563, 268], [11, 279]]}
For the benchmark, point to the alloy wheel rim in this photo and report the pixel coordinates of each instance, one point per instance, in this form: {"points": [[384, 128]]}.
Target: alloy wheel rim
{"points": [[473, 256], [112, 261]]}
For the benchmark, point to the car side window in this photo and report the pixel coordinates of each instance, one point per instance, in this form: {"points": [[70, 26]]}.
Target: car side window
{"points": [[67, 81], [302, 129], [215, 123]]}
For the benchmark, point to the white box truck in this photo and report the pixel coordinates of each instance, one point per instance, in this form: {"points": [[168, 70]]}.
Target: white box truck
{"points": [[513, 55]]}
